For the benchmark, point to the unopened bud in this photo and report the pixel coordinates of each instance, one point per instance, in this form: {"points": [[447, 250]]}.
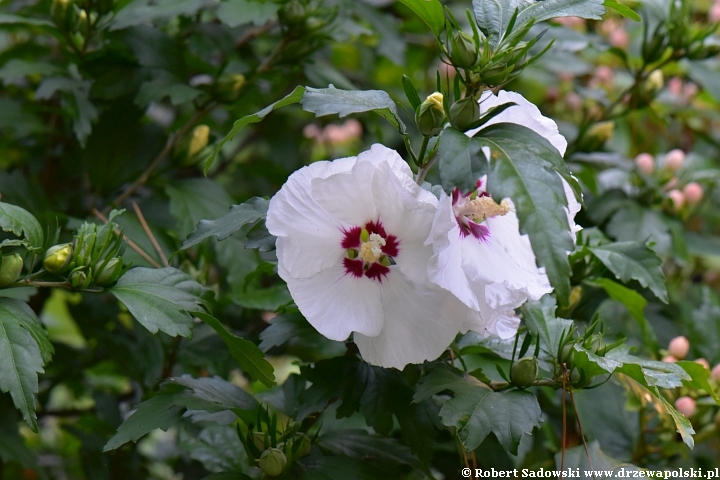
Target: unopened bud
{"points": [[693, 193], [524, 372], [10, 269], [463, 51], [655, 81], [567, 356], [259, 440], [229, 86], [679, 347], [59, 12], [58, 257], [669, 359], [645, 163], [272, 462], [199, 139], [292, 13], [496, 75], [464, 113], [78, 279], [686, 406], [82, 22], [305, 445], [703, 362], [674, 159], [595, 344], [715, 372], [430, 116], [110, 273], [677, 198], [602, 131]]}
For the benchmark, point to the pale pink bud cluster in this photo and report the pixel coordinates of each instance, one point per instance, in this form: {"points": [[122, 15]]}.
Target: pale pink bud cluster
{"points": [[715, 372], [714, 13], [334, 134], [681, 90], [677, 198], [616, 33], [703, 362], [674, 160], [693, 193]]}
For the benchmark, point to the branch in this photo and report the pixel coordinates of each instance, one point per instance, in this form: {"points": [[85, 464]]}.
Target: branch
{"points": [[130, 243]]}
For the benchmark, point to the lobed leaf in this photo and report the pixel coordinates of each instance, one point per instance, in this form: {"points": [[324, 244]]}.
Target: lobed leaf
{"points": [[22, 223], [241, 218], [460, 161]]}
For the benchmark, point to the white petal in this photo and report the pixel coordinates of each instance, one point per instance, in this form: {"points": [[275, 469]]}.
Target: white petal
{"points": [[408, 218], [445, 266], [303, 255], [336, 303], [524, 113], [420, 323], [347, 196], [572, 209]]}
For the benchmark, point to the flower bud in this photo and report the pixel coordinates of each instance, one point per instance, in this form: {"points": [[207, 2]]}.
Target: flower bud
{"points": [[58, 257], [679, 347], [292, 13], [654, 47], [110, 273], [199, 139], [10, 269], [60, 11], [272, 461], [677, 197], [602, 131], [715, 372], [259, 440], [655, 82], [464, 113], [496, 75], [669, 359], [703, 362], [674, 159], [595, 344], [305, 445], [686, 406], [229, 86], [463, 51], [524, 372], [645, 163], [693, 193], [567, 356], [78, 279], [430, 116]]}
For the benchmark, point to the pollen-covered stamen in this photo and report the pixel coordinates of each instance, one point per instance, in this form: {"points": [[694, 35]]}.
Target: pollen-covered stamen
{"points": [[470, 211], [371, 250]]}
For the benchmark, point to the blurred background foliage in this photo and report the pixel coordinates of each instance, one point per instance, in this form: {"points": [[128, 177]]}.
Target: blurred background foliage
{"points": [[115, 104]]}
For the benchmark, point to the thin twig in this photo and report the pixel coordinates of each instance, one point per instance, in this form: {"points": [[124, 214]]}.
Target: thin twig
{"points": [[422, 171], [564, 420], [464, 454], [474, 459], [172, 140], [252, 33], [580, 429], [149, 233], [130, 243]]}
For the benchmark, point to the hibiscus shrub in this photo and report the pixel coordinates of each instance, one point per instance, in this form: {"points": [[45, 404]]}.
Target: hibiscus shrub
{"points": [[494, 245]]}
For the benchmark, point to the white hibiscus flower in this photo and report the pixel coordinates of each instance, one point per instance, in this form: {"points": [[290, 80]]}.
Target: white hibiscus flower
{"points": [[479, 254], [351, 248]]}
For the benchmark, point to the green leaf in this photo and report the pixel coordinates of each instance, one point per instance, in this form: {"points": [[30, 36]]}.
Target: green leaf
{"points": [[360, 444], [633, 222], [256, 294], [161, 411], [241, 218], [193, 199], [24, 349], [633, 261], [699, 378], [539, 316], [460, 160], [704, 325], [247, 354], [234, 13], [77, 101], [160, 298], [623, 10], [430, 11], [213, 394], [22, 223], [684, 427], [477, 411], [524, 167], [410, 92], [20, 20], [218, 448], [17, 69], [634, 302], [157, 90], [227, 476], [333, 101], [577, 458], [319, 467], [293, 97], [139, 12]]}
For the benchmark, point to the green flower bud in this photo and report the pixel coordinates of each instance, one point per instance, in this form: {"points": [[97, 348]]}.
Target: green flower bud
{"points": [[305, 444], [61, 12], [58, 257], [463, 51], [272, 461], [259, 441], [292, 13], [579, 379], [524, 372], [464, 113], [78, 279], [430, 116], [654, 47], [10, 269], [229, 86], [110, 273], [595, 344], [496, 75], [567, 356], [82, 23]]}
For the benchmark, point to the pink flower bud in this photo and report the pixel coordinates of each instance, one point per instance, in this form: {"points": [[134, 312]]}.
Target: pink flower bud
{"points": [[690, 90], [674, 159], [703, 362], [573, 101], [675, 86], [311, 131], [677, 198], [619, 38], [693, 193], [679, 347], [714, 13], [686, 406], [669, 359], [570, 22], [645, 163], [715, 372]]}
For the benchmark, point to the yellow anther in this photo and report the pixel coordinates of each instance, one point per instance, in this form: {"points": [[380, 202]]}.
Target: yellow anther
{"points": [[481, 208], [371, 250]]}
